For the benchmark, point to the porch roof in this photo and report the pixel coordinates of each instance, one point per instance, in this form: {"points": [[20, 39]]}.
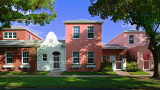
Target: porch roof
{"points": [[112, 46], [22, 43]]}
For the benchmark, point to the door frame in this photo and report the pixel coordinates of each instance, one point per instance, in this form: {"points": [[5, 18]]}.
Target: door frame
{"points": [[149, 64], [56, 61]]}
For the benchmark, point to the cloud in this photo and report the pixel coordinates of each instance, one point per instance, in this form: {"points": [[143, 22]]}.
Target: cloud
{"points": [[29, 27]]}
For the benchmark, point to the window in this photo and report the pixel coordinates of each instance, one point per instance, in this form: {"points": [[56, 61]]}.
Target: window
{"points": [[131, 39], [90, 57], [9, 57], [120, 57], [25, 57], [90, 32], [104, 58], [9, 35], [44, 57], [30, 37], [76, 32], [50, 40], [76, 58]]}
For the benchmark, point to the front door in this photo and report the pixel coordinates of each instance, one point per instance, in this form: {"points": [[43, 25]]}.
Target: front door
{"points": [[146, 64], [56, 61]]}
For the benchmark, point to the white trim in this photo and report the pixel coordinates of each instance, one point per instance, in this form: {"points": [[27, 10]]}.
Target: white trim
{"points": [[79, 32], [8, 35], [92, 57], [72, 57], [10, 57], [45, 57], [131, 39], [149, 64], [25, 57], [93, 32]]}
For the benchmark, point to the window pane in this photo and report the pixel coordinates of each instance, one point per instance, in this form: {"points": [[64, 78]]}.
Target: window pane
{"points": [[131, 41], [25, 57], [76, 32], [120, 57], [10, 34], [5, 35], [90, 60], [25, 60], [131, 37], [90, 35], [75, 60], [14, 35], [9, 60]]}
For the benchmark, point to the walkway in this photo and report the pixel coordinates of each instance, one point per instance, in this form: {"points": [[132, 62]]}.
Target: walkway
{"points": [[122, 73], [150, 72]]}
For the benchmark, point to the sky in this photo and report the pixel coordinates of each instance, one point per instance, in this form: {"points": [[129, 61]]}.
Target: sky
{"points": [[75, 10]]}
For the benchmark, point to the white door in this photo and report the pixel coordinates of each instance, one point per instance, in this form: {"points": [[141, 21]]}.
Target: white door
{"points": [[56, 61]]}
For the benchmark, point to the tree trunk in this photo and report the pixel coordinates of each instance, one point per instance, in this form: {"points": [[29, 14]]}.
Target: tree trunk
{"points": [[156, 65]]}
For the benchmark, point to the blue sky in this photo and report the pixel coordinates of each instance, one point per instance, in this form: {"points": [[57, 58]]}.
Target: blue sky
{"points": [[75, 10]]}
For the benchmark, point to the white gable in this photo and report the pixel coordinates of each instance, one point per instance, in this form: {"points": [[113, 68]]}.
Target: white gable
{"points": [[51, 39]]}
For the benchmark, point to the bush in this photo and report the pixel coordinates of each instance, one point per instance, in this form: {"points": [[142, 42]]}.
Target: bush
{"points": [[132, 67], [106, 66]]}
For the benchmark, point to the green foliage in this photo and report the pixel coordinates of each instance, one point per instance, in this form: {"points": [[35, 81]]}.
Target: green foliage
{"points": [[12, 10], [105, 66], [132, 66]]}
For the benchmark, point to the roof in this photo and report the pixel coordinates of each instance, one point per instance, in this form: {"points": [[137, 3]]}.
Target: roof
{"points": [[83, 21], [134, 30], [20, 28], [112, 46], [22, 43]]}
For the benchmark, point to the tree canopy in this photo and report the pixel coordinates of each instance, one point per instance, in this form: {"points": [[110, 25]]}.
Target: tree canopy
{"points": [[12, 10], [142, 13]]}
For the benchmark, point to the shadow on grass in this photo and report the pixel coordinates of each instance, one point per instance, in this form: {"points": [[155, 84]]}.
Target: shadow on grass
{"points": [[89, 73], [24, 73], [78, 82]]}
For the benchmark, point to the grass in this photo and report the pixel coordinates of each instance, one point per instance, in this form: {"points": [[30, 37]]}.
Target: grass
{"points": [[139, 73], [78, 82], [24, 73], [89, 73]]}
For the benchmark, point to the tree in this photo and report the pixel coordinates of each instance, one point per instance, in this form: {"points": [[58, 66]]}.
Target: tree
{"points": [[142, 13], [11, 10]]}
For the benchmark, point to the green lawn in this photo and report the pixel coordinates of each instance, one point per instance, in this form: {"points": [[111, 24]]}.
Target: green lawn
{"points": [[139, 73], [89, 73], [24, 73], [78, 82]]}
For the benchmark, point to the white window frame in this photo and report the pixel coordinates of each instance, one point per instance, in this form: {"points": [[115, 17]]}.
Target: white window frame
{"points": [[91, 57], [8, 35], [119, 58], [131, 39], [8, 57], [44, 57], [75, 57], [103, 58], [25, 57], [30, 37], [90, 32], [73, 32]]}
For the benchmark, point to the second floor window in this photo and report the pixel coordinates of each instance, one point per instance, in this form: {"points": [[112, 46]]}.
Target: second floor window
{"points": [[9, 35], [76, 32], [90, 32], [30, 37], [131, 39]]}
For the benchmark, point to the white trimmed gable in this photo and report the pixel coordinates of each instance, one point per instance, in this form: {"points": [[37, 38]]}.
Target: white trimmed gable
{"points": [[51, 40]]}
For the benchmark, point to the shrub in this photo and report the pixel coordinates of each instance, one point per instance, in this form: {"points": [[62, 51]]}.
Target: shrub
{"points": [[132, 67], [106, 66]]}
